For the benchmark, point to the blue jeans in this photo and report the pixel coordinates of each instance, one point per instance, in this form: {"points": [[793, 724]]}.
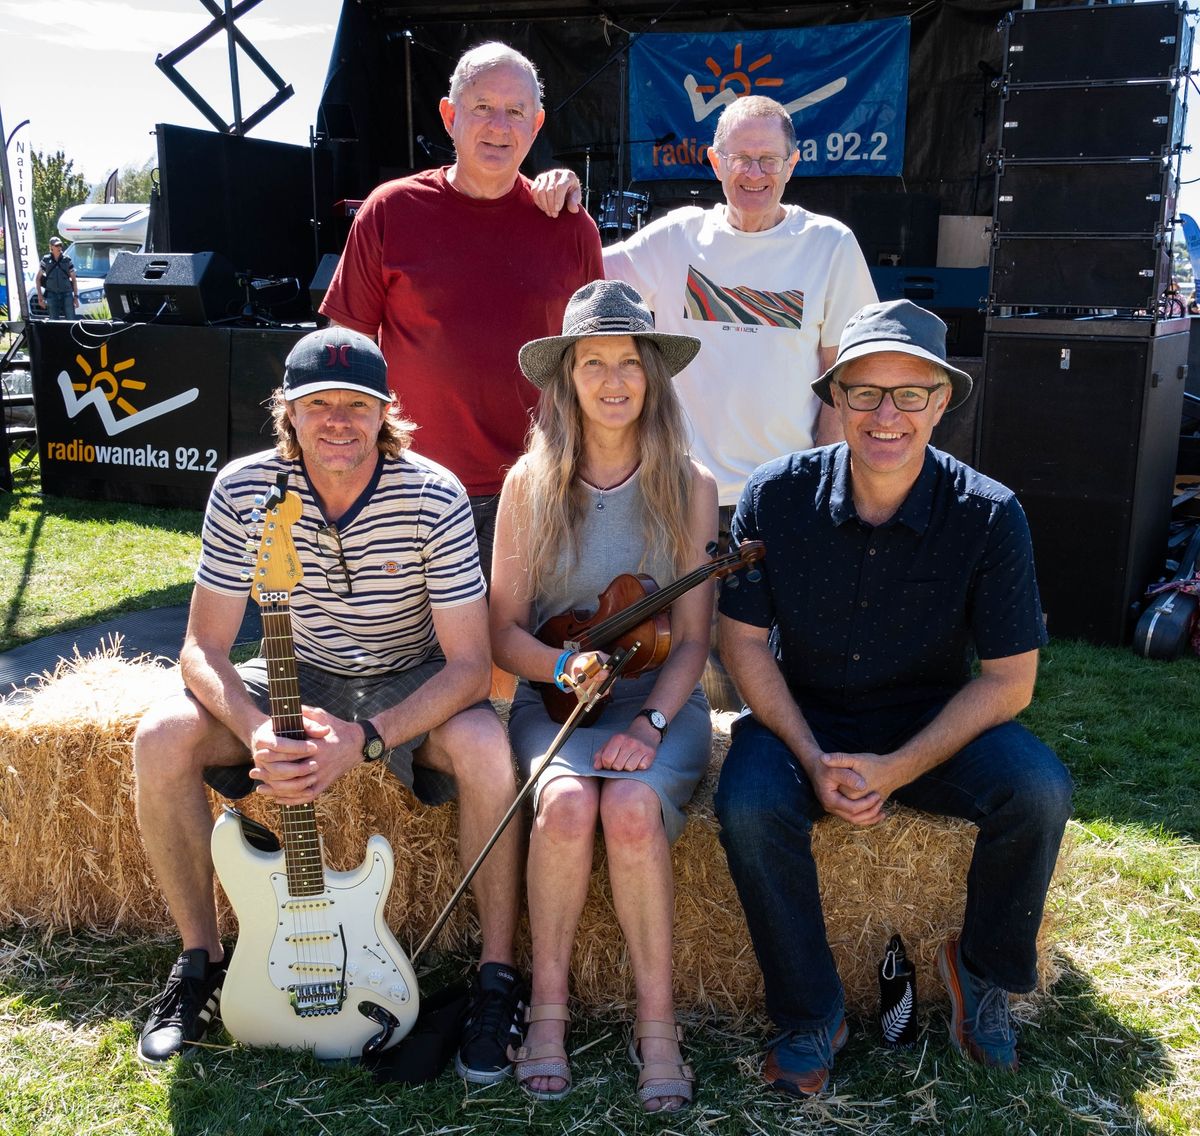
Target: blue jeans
{"points": [[1006, 782], [59, 305]]}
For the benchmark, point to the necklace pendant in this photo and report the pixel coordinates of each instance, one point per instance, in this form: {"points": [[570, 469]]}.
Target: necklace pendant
{"points": [[600, 504]]}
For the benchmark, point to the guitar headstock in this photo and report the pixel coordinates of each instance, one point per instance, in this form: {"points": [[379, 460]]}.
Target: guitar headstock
{"points": [[277, 569]]}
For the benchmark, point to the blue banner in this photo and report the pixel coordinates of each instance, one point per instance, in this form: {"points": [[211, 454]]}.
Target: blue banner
{"points": [[1191, 234], [845, 86]]}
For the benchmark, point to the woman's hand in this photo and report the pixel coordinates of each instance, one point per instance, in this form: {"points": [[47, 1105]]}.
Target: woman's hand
{"points": [[585, 672], [634, 748]]}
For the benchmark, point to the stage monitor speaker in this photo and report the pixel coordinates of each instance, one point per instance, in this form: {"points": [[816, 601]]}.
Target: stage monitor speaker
{"points": [[192, 288], [897, 229], [1085, 430], [1096, 44], [1137, 120], [321, 280], [1127, 273], [1062, 197]]}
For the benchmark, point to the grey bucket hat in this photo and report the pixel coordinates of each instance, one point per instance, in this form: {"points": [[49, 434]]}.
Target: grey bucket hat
{"points": [[603, 307], [895, 325], [335, 358]]}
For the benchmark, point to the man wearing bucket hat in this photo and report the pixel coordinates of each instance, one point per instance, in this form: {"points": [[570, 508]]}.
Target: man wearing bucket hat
{"points": [[390, 628], [890, 566]]}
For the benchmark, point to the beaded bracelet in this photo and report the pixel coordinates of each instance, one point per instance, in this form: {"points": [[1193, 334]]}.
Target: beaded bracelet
{"points": [[560, 673]]}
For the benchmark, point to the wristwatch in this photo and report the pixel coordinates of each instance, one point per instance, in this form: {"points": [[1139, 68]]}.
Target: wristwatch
{"points": [[658, 720], [373, 747]]}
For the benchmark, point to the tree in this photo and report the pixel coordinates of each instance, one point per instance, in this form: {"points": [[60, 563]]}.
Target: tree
{"points": [[56, 186], [134, 183]]}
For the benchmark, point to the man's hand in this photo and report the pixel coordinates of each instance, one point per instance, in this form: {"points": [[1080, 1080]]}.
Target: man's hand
{"points": [[843, 792], [295, 771], [880, 775], [554, 189]]}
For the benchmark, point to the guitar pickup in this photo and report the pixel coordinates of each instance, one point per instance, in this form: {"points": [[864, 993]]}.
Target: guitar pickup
{"points": [[306, 904], [314, 968], [313, 937]]}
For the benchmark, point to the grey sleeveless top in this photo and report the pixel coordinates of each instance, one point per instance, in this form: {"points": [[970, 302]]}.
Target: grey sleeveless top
{"points": [[610, 542]]}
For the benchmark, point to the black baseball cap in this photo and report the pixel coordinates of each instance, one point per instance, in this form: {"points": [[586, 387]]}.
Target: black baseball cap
{"points": [[335, 358]]}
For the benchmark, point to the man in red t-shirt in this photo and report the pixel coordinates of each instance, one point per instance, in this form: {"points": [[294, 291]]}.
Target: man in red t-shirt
{"points": [[455, 268]]}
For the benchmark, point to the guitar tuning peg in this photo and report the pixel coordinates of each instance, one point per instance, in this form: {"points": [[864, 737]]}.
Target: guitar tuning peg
{"points": [[712, 547], [250, 545], [731, 582], [256, 516], [245, 574], [259, 499], [754, 575]]}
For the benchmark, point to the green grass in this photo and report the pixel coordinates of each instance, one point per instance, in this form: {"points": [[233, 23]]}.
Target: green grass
{"points": [[66, 563], [1113, 1049]]}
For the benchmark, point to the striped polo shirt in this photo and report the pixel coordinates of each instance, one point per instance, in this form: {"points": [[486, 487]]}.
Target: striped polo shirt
{"points": [[408, 541]]}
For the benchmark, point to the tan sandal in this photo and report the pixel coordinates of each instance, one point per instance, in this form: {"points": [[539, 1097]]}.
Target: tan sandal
{"points": [[661, 1079], [549, 1059]]}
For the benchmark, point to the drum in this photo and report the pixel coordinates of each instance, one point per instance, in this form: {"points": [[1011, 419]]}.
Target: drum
{"points": [[622, 213]]}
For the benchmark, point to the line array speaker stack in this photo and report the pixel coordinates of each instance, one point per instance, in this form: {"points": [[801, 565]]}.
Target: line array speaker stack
{"points": [[1083, 371]]}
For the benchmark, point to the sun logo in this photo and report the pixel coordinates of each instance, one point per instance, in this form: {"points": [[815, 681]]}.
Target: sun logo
{"points": [[737, 75], [106, 380]]}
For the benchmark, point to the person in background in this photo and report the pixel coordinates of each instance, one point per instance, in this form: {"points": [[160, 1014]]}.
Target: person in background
{"points": [[57, 288]]}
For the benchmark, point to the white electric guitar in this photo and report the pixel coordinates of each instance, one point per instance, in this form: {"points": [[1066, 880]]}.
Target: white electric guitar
{"points": [[316, 966]]}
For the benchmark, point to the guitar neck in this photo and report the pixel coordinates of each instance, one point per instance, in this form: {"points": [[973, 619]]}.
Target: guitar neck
{"points": [[301, 838]]}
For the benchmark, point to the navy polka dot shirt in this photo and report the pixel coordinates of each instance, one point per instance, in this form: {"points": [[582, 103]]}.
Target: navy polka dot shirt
{"points": [[889, 615]]}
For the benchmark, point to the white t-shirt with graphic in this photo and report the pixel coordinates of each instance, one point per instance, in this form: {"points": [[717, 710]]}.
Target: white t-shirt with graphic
{"points": [[762, 305]]}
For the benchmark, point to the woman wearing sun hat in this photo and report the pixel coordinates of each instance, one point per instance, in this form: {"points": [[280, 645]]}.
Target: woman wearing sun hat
{"points": [[606, 486]]}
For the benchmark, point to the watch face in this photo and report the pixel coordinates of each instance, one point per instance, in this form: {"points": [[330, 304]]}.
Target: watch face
{"points": [[658, 719], [374, 749]]}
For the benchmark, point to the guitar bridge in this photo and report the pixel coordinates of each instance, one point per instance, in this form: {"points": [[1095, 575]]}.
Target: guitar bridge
{"points": [[316, 999]]}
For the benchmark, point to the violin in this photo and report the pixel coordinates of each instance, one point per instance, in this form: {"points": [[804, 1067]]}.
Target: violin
{"points": [[632, 610]]}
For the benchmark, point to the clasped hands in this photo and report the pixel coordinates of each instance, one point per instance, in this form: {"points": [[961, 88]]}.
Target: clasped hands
{"points": [[296, 771], [855, 786]]}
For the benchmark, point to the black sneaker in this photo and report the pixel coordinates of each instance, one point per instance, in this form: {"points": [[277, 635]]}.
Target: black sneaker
{"points": [[495, 1020], [185, 1009]]}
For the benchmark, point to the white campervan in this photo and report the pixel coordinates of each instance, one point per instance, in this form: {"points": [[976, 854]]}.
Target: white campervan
{"points": [[95, 234]]}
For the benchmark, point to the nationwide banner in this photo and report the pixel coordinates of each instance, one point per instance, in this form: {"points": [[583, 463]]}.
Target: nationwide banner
{"points": [[845, 86]]}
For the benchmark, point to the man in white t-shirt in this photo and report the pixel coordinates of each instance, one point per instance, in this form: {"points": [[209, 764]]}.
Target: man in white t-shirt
{"points": [[765, 287]]}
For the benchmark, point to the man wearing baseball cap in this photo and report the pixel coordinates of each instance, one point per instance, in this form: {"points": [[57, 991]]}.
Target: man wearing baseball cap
{"points": [[389, 623], [57, 287], [890, 567]]}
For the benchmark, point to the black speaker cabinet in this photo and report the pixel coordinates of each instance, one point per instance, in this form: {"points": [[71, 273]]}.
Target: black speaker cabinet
{"points": [[1080, 272], [896, 228], [1069, 198], [1085, 429], [1096, 44], [192, 288], [1135, 120], [321, 280], [256, 358]]}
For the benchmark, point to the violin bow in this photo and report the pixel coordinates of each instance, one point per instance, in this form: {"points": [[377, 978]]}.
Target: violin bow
{"points": [[614, 665]]}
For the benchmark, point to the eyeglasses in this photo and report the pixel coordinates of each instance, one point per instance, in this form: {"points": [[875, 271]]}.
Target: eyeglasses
{"points": [[337, 577], [768, 164], [911, 399]]}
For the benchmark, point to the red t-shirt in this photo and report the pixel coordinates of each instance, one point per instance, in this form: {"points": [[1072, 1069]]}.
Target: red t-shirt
{"points": [[453, 286]]}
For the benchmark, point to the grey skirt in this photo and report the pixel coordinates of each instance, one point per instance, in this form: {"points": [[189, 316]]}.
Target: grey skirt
{"points": [[677, 767]]}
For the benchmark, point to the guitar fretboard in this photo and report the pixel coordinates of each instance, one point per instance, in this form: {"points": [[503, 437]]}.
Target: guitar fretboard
{"points": [[301, 839]]}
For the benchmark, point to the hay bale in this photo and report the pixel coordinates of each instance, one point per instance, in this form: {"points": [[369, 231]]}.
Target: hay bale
{"points": [[71, 856]]}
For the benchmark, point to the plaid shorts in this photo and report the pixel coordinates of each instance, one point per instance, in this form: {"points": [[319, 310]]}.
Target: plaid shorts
{"points": [[350, 698]]}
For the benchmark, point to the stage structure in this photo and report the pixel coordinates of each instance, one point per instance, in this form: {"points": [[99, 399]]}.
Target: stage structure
{"points": [[1060, 109]]}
